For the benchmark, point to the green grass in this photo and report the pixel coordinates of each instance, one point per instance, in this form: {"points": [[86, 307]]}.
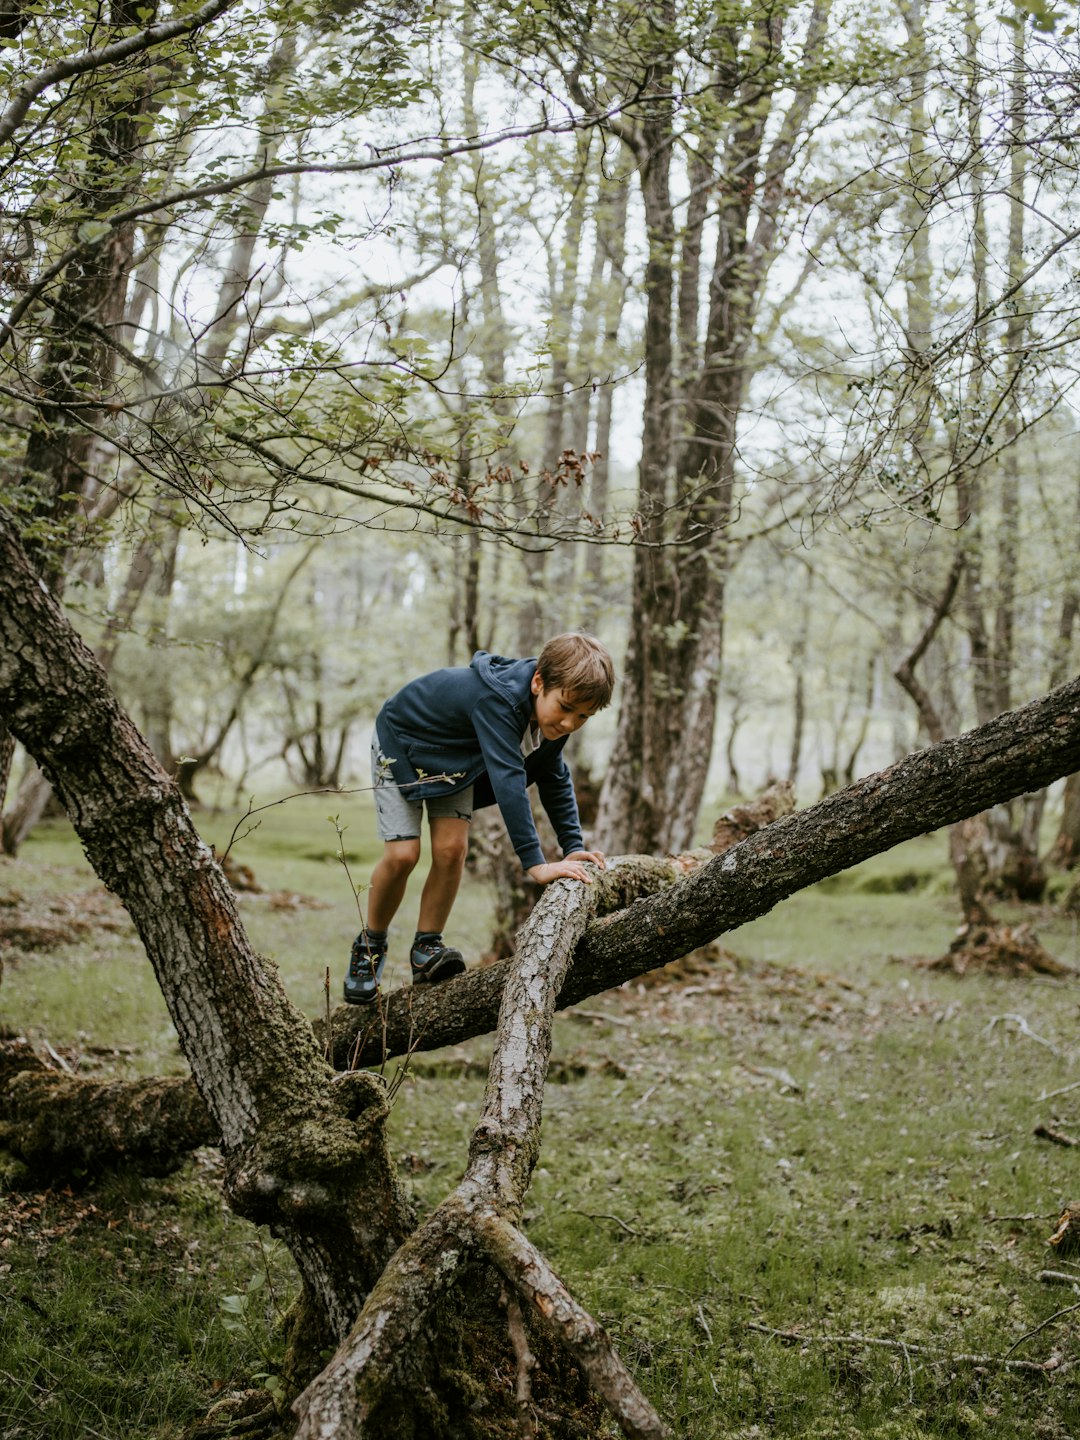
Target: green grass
{"points": [[690, 1195]]}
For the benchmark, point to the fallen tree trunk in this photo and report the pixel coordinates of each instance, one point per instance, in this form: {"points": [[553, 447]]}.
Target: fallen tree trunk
{"points": [[482, 1215], [54, 1126]]}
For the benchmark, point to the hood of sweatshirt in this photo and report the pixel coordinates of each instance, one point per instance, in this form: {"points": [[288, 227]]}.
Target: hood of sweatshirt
{"points": [[511, 678]]}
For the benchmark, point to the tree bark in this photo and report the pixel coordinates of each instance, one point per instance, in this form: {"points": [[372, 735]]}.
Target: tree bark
{"points": [[305, 1153], [654, 786]]}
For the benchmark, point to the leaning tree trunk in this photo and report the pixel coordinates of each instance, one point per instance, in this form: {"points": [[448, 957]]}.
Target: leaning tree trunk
{"points": [[55, 1126], [305, 1150], [304, 1154]]}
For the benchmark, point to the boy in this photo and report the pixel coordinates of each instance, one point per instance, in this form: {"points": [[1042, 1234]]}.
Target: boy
{"points": [[490, 730]]}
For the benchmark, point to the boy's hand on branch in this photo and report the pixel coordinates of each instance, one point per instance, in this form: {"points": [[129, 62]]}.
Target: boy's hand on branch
{"points": [[594, 857], [574, 867]]}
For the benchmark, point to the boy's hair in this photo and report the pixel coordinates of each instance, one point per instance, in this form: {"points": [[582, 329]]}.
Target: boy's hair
{"points": [[578, 665]]}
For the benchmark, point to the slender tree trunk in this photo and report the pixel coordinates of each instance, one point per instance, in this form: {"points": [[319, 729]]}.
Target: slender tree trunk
{"points": [[549, 574], [1066, 851], [611, 215], [189, 768], [1013, 856], [7, 757], [654, 785]]}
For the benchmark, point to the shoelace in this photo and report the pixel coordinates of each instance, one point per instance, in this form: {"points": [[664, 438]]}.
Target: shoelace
{"points": [[364, 954]]}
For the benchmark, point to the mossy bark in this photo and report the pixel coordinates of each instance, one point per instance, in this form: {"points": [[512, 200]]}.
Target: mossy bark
{"points": [[57, 1126]]}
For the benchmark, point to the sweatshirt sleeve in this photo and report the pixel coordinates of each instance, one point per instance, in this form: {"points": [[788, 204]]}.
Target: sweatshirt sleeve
{"points": [[495, 724], [555, 785]]}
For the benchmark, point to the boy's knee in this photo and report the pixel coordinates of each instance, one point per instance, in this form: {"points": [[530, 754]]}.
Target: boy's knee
{"points": [[402, 855], [450, 849]]}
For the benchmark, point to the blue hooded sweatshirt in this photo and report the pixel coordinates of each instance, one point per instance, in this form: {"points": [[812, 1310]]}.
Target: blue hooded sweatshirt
{"points": [[468, 723]]}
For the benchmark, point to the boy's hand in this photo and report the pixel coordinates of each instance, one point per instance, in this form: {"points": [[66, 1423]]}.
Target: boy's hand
{"points": [[594, 857], [572, 868]]}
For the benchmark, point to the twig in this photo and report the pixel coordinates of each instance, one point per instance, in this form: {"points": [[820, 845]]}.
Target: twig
{"points": [[797, 1337], [1058, 1277], [526, 1363], [1065, 1089], [1008, 1219], [254, 809], [644, 1099], [770, 1072], [55, 1055], [601, 1016], [339, 831], [1024, 1028], [629, 1229], [1057, 1137], [1069, 1309], [329, 1044]]}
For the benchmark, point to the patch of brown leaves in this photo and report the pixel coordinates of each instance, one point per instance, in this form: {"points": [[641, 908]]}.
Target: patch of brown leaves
{"points": [[46, 921]]}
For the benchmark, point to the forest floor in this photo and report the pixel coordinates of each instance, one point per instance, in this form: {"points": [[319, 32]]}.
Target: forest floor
{"points": [[806, 1184]]}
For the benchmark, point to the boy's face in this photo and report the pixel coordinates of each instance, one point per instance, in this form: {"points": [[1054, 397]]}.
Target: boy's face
{"points": [[557, 713]]}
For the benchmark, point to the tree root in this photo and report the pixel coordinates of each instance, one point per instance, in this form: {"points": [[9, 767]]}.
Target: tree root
{"points": [[997, 950]]}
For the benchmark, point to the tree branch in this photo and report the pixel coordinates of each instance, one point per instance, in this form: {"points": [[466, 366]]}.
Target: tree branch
{"points": [[112, 54], [482, 1210], [905, 671]]}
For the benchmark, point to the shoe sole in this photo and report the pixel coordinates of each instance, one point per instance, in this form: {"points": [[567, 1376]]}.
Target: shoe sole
{"points": [[435, 974]]}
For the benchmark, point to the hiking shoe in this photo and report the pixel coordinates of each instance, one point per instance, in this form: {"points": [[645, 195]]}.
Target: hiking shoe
{"points": [[432, 961], [366, 963]]}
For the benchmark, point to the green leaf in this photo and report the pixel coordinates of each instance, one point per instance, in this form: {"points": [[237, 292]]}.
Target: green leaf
{"points": [[91, 231]]}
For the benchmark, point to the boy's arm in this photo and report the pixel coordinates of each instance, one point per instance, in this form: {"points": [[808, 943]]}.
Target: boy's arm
{"points": [[501, 748], [556, 788]]}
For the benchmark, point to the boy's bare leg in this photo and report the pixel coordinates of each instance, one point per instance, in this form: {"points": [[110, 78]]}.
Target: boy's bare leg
{"points": [[388, 880], [449, 845]]}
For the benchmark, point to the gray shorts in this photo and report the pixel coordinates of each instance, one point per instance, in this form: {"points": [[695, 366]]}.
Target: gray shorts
{"points": [[399, 818]]}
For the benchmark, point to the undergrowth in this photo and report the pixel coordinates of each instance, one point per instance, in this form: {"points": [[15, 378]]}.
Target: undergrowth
{"points": [[801, 1186]]}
